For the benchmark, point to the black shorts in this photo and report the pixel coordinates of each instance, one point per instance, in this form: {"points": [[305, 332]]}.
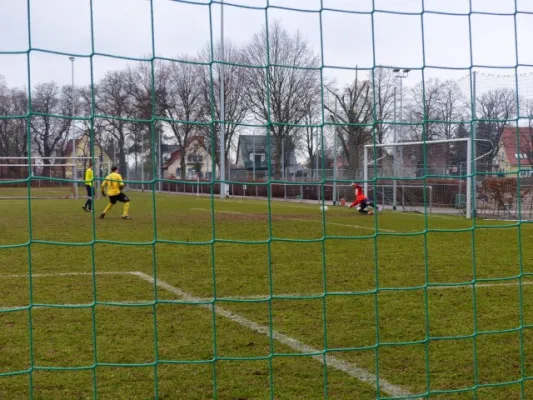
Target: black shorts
{"points": [[365, 203], [89, 190], [119, 197]]}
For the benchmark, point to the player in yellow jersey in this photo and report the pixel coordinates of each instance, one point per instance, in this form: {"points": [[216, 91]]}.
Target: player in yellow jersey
{"points": [[115, 185], [89, 176]]}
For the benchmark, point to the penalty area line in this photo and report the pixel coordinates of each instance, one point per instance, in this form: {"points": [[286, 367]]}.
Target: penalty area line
{"points": [[289, 296], [55, 274], [305, 220], [349, 368], [136, 303], [225, 212]]}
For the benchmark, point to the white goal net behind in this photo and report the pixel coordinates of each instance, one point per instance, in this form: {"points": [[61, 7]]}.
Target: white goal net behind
{"points": [[431, 176], [46, 177]]}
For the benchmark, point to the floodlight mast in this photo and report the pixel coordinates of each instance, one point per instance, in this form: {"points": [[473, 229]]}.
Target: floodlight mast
{"points": [[73, 133], [222, 150], [401, 75]]}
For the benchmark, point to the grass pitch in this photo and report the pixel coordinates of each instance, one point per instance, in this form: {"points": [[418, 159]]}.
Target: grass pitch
{"points": [[252, 305]]}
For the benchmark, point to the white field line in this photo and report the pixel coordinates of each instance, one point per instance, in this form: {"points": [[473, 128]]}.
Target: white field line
{"points": [[506, 220], [430, 215], [138, 303], [54, 274], [284, 296], [344, 366], [451, 286], [350, 368], [302, 220], [58, 274], [225, 212]]}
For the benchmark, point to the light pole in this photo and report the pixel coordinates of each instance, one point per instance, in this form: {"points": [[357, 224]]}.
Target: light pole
{"points": [[395, 158], [115, 143], [401, 75], [160, 163], [283, 158], [474, 136], [332, 118], [74, 158], [317, 141], [253, 151], [222, 111], [142, 161]]}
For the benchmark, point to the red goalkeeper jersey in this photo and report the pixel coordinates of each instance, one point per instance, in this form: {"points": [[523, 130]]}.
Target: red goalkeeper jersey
{"points": [[359, 195]]}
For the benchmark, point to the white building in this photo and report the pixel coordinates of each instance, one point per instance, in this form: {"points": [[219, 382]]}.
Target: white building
{"points": [[198, 161]]}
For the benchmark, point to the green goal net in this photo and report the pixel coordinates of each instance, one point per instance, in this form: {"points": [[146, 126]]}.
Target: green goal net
{"points": [[245, 265]]}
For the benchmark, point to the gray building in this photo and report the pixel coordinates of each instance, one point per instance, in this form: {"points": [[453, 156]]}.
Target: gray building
{"points": [[253, 148]]}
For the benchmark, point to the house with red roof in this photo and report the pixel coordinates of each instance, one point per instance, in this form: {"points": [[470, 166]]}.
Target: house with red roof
{"points": [[198, 160], [516, 151]]}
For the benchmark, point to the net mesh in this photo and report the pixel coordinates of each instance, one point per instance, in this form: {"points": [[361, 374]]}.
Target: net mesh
{"points": [[417, 176], [273, 287]]}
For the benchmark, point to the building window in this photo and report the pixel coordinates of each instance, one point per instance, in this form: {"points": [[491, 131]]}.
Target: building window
{"points": [[258, 157], [194, 158]]}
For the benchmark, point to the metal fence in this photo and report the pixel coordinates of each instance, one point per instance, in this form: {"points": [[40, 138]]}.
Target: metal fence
{"points": [[446, 194]]}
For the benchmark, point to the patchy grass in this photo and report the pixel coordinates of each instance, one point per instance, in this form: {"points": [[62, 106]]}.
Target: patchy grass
{"points": [[388, 294]]}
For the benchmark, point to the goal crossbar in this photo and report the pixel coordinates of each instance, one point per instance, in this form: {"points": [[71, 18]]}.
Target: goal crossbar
{"points": [[469, 176], [417, 142], [73, 164], [45, 158], [37, 165]]}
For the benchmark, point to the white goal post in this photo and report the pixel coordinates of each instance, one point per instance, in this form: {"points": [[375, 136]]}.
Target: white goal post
{"points": [[470, 188]]}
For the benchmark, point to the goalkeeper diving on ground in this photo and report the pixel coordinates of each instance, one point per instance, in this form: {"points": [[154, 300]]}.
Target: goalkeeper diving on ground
{"points": [[115, 186], [362, 202]]}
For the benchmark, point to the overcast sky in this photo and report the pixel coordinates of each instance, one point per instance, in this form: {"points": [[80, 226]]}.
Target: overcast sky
{"points": [[123, 28]]}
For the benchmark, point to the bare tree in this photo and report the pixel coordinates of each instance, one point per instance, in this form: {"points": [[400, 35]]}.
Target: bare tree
{"points": [[49, 128], [181, 103], [450, 111], [236, 106], [115, 103], [383, 97], [279, 93], [148, 88], [495, 109], [307, 138], [524, 142], [13, 134], [353, 114], [92, 127], [435, 109], [423, 110]]}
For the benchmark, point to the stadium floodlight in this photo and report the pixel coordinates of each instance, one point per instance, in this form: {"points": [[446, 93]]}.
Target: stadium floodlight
{"points": [[400, 76], [222, 104], [74, 160]]}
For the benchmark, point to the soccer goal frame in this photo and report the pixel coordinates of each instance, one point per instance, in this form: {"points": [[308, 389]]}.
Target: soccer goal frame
{"points": [[31, 162], [470, 188]]}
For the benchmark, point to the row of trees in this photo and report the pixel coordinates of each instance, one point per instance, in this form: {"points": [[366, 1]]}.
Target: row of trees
{"points": [[178, 100]]}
